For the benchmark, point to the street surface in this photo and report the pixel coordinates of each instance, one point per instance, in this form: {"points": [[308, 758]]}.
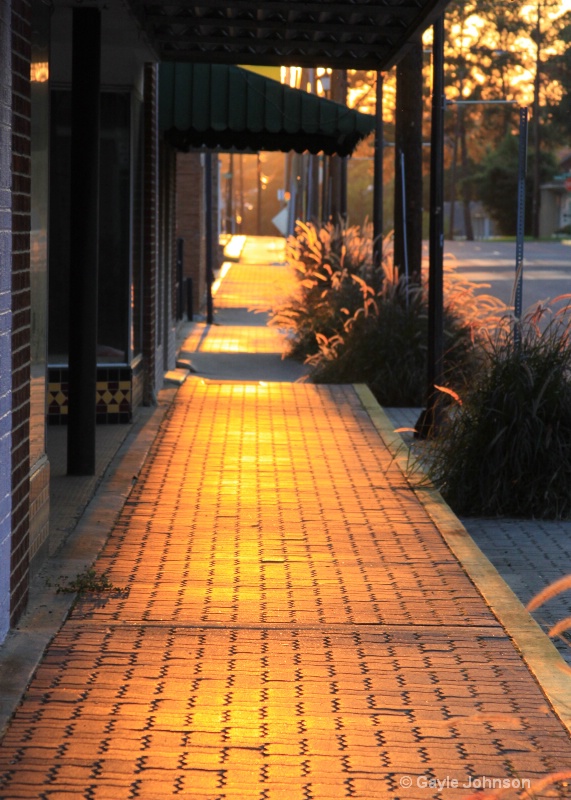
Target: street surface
{"points": [[547, 267]]}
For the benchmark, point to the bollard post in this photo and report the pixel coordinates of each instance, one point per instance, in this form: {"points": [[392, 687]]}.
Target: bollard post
{"points": [[189, 300]]}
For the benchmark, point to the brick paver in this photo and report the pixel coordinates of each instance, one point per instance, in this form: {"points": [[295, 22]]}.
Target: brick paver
{"points": [[288, 623], [263, 285]]}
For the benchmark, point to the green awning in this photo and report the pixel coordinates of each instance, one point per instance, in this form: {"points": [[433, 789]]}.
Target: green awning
{"points": [[221, 106]]}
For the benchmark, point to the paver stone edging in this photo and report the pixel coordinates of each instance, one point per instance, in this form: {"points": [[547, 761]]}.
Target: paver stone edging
{"points": [[537, 650]]}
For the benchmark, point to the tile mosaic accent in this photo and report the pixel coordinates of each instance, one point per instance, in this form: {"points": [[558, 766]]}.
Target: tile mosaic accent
{"points": [[113, 401]]}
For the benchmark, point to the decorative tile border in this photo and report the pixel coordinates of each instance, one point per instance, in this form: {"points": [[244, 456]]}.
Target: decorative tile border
{"points": [[114, 395]]}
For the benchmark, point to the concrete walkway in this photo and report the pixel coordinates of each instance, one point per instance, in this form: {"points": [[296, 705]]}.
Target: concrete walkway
{"points": [[289, 620]]}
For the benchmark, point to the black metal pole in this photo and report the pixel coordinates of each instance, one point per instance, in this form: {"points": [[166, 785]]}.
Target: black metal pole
{"points": [[378, 176], [429, 422], [325, 189], [189, 299], [209, 234], [241, 174], [259, 207], [84, 240], [536, 197], [405, 263], [343, 187], [520, 228], [337, 164], [453, 175], [230, 219], [179, 278]]}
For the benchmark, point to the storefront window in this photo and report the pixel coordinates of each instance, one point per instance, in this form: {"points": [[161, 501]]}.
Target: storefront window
{"points": [[114, 316]]}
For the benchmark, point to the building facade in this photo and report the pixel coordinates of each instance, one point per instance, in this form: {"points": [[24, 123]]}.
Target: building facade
{"points": [[136, 291], [5, 312]]}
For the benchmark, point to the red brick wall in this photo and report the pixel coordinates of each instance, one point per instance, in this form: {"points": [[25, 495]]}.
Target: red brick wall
{"points": [[167, 263], [150, 233], [171, 230], [190, 222], [168, 247], [21, 33]]}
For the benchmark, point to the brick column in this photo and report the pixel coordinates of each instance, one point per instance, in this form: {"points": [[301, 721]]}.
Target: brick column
{"points": [[168, 229], [150, 239], [190, 217], [21, 51], [5, 314]]}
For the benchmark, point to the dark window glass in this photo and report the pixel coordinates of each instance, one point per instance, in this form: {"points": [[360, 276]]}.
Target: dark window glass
{"points": [[114, 226]]}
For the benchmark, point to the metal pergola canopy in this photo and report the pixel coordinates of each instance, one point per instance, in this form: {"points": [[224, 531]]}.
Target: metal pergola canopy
{"points": [[344, 34]]}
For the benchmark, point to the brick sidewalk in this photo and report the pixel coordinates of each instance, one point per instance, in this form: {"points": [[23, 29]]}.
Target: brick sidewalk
{"points": [[289, 620], [291, 625]]}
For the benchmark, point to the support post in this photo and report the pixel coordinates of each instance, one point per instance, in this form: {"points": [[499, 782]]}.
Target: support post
{"points": [[325, 186], [150, 236], [230, 216], [179, 278], [402, 164], [536, 197], [241, 184], [378, 176], [84, 240], [408, 139], [259, 202], [521, 175], [209, 234], [338, 164], [428, 422]]}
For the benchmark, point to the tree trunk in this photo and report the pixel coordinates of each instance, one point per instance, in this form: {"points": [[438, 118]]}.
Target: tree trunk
{"points": [[408, 152]]}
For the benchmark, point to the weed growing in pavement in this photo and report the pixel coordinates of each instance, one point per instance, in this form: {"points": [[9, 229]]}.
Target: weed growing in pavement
{"points": [[506, 451], [87, 582], [354, 322]]}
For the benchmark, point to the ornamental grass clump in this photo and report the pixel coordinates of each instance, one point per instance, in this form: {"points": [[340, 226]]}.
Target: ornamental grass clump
{"points": [[506, 450], [384, 343], [356, 322], [331, 263]]}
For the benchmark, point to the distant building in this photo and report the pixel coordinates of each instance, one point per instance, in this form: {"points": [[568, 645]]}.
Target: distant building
{"points": [[555, 210], [483, 225]]}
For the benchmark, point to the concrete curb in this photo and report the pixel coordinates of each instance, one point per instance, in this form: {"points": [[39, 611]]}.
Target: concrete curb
{"points": [[233, 248], [537, 650]]}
